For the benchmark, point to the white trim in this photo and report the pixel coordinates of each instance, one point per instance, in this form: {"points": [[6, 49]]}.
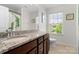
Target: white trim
{"points": [[77, 13], [62, 24]]}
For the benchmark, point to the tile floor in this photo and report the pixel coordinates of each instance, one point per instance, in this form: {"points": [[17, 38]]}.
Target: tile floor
{"points": [[58, 48]]}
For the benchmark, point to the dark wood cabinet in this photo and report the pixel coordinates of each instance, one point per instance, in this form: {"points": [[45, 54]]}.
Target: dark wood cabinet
{"points": [[34, 51], [37, 46], [24, 48], [45, 42], [40, 48], [40, 40]]}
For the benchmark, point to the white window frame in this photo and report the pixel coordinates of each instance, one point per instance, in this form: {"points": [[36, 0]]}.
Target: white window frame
{"points": [[62, 23]]}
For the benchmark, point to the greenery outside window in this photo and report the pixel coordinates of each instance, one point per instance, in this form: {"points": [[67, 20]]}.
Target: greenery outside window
{"points": [[55, 23]]}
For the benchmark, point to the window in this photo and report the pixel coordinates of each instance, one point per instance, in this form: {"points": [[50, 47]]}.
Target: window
{"points": [[55, 23]]}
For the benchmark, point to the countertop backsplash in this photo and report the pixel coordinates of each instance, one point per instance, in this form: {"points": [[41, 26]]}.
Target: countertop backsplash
{"points": [[3, 34], [15, 33]]}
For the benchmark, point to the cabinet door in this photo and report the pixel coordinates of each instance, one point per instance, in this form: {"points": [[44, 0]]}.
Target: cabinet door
{"points": [[40, 40], [45, 46], [34, 51], [46, 43], [46, 36], [40, 48]]}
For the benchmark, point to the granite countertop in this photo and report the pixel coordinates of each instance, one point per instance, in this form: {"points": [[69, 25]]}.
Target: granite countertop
{"points": [[8, 44]]}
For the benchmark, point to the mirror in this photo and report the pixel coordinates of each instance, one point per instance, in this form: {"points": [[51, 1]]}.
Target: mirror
{"points": [[9, 19], [14, 21]]}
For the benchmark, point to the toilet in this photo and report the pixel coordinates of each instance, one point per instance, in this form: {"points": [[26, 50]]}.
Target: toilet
{"points": [[52, 41]]}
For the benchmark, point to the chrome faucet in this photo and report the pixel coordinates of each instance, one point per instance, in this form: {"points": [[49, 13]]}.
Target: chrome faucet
{"points": [[9, 33]]}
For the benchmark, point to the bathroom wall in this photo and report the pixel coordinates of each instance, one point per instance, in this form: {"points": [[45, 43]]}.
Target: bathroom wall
{"points": [[69, 26], [33, 19], [26, 19], [4, 18], [41, 19], [28, 16]]}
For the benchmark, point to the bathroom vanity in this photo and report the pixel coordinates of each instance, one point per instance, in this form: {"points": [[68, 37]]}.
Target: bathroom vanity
{"points": [[31, 43]]}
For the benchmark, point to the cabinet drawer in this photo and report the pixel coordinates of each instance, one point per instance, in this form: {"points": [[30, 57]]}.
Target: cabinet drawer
{"points": [[46, 36], [24, 48], [40, 39]]}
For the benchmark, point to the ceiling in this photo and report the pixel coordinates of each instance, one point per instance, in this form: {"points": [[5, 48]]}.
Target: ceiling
{"points": [[32, 7], [17, 7]]}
